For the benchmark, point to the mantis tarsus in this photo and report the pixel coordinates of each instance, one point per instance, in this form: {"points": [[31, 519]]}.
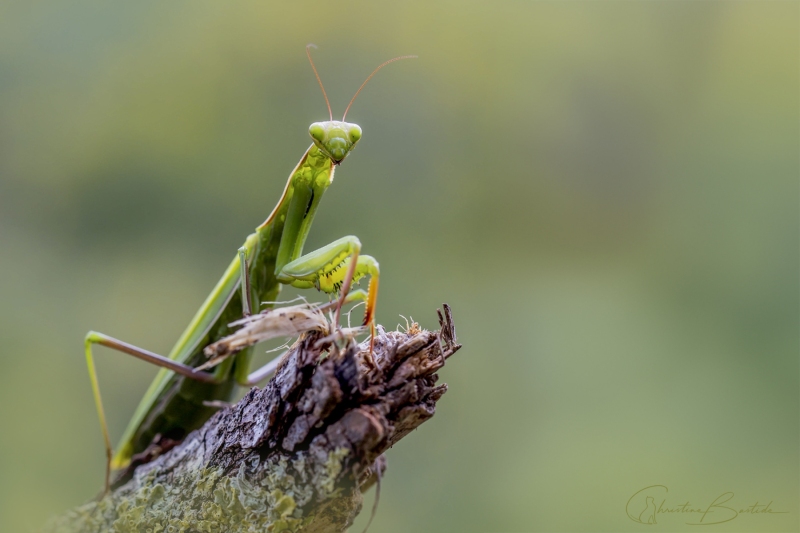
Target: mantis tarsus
{"points": [[181, 398]]}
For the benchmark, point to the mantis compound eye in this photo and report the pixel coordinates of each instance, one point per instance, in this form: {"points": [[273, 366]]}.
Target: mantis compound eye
{"points": [[355, 133], [317, 132]]}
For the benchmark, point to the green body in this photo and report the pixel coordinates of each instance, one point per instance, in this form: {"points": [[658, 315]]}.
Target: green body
{"points": [[174, 405]]}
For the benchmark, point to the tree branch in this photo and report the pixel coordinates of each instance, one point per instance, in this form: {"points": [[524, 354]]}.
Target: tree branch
{"points": [[294, 456]]}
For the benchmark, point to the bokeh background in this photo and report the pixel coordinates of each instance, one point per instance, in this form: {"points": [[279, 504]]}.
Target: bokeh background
{"points": [[606, 194]]}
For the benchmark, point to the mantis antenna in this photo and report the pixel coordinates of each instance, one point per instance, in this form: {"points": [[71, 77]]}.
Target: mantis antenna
{"points": [[368, 78], [308, 53]]}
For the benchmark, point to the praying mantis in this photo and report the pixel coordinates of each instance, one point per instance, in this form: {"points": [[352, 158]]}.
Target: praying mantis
{"points": [[181, 396]]}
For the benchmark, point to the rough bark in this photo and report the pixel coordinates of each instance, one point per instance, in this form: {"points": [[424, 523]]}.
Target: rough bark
{"points": [[293, 456]]}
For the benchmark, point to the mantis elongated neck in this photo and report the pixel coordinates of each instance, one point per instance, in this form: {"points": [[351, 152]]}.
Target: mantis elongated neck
{"points": [[307, 185]]}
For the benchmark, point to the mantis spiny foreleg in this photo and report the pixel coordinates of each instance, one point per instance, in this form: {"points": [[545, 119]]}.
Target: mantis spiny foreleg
{"points": [[332, 269]]}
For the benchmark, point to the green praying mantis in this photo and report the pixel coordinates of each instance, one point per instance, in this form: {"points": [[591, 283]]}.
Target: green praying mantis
{"points": [[182, 396]]}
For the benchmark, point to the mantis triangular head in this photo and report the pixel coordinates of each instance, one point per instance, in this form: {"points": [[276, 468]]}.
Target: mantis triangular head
{"points": [[335, 138]]}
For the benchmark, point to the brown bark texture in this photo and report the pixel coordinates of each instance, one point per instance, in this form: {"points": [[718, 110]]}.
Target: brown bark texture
{"points": [[293, 456]]}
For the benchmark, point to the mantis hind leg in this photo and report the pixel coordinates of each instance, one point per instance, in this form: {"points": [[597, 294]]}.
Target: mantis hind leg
{"points": [[98, 338], [332, 269], [98, 402], [244, 273]]}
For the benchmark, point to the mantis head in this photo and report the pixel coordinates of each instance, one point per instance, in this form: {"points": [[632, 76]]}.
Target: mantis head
{"points": [[336, 139]]}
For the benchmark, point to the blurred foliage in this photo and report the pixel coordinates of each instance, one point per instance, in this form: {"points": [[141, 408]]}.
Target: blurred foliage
{"points": [[606, 193]]}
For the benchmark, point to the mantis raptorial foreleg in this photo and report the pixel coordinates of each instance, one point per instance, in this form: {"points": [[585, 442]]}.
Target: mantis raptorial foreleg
{"points": [[332, 269]]}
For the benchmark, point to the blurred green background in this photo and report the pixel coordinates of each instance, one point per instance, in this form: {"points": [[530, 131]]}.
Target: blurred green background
{"points": [[606, 194]]}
